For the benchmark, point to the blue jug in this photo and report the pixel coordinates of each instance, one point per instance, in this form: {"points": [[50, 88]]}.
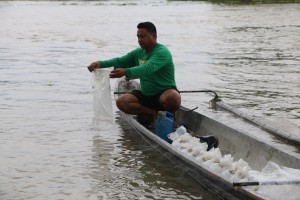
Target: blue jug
{"points": [[164, 125]]}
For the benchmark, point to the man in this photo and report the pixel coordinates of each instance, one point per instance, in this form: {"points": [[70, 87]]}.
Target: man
{"points": [[153, 64]]}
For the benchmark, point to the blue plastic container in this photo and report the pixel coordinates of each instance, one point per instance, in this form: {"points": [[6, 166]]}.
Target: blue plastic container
{"points": [[164, 125]]}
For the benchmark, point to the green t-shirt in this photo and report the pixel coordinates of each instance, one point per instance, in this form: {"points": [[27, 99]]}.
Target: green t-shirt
{"points": [[155, 69]]}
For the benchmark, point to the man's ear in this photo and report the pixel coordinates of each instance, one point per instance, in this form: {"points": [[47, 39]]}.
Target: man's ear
{"points": [[154, 35]]}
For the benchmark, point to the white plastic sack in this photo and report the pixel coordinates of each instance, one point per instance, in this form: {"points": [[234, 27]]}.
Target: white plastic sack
{"points": [[103, 111], [272, 172]]}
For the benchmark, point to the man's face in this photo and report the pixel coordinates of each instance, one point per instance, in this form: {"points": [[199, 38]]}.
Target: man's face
{"points": [[146, 40]]}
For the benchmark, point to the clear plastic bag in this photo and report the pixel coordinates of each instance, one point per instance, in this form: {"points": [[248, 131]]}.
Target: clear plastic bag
{"points": [[103, 110]]}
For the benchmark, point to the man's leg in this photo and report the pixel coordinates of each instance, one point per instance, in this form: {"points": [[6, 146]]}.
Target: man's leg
{"points": [[129, 103], [171, 100]]}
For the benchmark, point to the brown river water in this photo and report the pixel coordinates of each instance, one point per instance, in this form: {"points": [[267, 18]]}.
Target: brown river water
{"points": [[49, 147]]}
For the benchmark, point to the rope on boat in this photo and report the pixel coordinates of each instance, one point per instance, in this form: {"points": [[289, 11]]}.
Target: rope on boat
{"points": [[120, 92], [198, 91], [188, 91], [188, 110], [255, 183], [212, 103]]}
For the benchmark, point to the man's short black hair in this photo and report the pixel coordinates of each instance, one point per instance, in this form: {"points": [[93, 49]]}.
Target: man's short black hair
{"points": [[148, 26]]}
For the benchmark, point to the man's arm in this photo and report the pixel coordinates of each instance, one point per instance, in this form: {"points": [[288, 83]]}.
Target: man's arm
{"points": [[120, 62], [117, 73]]}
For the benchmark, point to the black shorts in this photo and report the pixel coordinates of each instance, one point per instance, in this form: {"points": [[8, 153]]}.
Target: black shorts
{"points": [[150, 101]]}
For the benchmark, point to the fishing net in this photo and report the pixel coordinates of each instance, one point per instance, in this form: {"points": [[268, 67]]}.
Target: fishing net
{"points": [[103, 110]]}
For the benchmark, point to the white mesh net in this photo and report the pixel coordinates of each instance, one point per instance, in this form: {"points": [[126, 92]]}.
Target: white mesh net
{"points": [[103, 111]]}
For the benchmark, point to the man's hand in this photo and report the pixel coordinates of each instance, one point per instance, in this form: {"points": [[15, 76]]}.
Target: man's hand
{"points": [[93, 66], [117, 73]]}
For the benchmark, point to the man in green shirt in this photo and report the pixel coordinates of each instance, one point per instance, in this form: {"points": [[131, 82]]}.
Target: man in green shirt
{"points": [[153, 65]]}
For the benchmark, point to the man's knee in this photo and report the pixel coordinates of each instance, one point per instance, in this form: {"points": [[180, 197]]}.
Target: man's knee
{"points": [[124, 102], [120, 103], [171, 99], [174, 102]]}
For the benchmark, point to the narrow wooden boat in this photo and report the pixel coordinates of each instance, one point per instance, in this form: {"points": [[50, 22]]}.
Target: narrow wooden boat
{"points": [[239, 143]]}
